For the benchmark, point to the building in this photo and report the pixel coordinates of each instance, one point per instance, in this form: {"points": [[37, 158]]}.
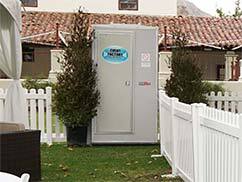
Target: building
{"points": [[134, 7], [216, 42]]}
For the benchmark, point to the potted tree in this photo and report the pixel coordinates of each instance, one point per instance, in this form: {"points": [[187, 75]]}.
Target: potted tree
{"points": [[77, 96]]}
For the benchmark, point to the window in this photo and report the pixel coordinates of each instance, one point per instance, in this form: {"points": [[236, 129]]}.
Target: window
{"points": [[30, 3], [128, 5], [28, 54]]}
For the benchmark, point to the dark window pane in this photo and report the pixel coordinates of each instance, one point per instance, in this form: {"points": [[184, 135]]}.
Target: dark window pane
{"points": [[30, 3], [28, 54], [128, 4]]}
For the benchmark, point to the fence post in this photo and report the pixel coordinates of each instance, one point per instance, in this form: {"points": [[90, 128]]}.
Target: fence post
{"points": [[174, 136], [161, 115], [49, 115], [197, 113], [240, 148]]}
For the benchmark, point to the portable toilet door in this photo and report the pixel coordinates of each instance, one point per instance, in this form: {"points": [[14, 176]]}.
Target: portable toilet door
{"points": [[126, 58]]}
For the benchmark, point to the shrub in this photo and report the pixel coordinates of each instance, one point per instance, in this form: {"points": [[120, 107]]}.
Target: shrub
{"points": [[34, 83], [185, 82], [213, 87]]}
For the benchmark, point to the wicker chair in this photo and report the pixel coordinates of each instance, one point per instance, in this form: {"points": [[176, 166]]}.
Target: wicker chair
{"points": [[20, 150]]}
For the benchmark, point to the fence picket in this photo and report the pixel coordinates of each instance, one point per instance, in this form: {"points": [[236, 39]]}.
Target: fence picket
{"points": [[57, 126], [216, 139], [1, 104], [226, 102], [197, 111], [233, 109], [161, 113], [33, 110], [219, 103], [212, 102], [26, 110], [239, 107], [174, 135], [41, 114], [240, 148], [49, 115], [64, 130], [38, 114]]}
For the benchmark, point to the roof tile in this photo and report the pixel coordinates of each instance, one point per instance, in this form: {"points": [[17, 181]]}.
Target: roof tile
{"points": [[223, 32]]}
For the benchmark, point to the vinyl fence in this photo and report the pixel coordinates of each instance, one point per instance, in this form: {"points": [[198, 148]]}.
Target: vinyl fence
{"points": [[39, 115], [227, 101], [202, 144]]}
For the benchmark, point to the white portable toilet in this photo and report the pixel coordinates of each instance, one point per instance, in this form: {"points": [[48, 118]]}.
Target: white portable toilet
{"points": [[126, 58]]}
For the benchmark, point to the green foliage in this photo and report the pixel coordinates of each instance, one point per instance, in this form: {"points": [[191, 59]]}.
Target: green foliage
{"points": [[212, 87], [76, 91], [34, 83], [220, 13], [237, 12], [185, 82]]}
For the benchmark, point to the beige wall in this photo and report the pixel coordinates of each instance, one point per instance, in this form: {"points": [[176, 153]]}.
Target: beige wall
{"points": [[146, 7], [208, 61], [40, 66], [164, 70]]}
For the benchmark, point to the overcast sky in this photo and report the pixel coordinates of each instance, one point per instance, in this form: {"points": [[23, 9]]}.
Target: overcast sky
{"points": [[210, 6]]}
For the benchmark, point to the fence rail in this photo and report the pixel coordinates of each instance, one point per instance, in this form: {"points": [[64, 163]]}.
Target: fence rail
{"points": [[39, 114], [202, 144]]}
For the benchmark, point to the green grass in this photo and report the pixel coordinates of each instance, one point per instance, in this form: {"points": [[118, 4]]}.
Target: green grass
{"points": [[102, 163]]}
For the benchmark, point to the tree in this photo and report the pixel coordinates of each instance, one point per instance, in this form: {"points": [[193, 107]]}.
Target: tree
{"points": [[220, 13], [185, 81], [237, 12], [76, 91]]}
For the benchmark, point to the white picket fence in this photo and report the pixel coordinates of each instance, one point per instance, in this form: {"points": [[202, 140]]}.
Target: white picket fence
{"points": [[39, 115], [202, 144], [227, 101]]}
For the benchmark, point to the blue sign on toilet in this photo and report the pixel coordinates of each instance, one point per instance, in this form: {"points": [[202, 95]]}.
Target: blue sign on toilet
{"points": [[115, 55]]}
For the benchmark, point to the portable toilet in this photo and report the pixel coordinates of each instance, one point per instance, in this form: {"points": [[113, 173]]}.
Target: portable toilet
{"points": [[126, 58]]}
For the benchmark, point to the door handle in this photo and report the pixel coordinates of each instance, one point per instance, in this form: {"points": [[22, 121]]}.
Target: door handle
{"points": [[127, 83]]}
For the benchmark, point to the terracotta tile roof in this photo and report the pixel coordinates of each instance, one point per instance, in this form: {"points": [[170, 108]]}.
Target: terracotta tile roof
{"points": [[39, 27]]}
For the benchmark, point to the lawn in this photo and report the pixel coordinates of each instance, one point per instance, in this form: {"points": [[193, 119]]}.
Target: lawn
{"points": [[102, 163]]}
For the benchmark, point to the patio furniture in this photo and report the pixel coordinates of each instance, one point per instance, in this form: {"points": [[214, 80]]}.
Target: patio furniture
{"points": [[9, 177], [20, 150]]}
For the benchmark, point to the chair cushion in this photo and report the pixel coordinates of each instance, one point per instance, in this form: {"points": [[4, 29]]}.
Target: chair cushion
{"points": [[9, 127]]}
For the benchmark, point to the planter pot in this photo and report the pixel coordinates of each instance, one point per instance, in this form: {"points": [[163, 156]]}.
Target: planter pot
{"points": [[76, 136]]}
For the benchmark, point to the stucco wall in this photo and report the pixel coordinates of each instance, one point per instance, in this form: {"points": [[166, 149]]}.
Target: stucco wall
{"points": [[164, 70], [208, 61], [146, 7], [41, 65]]}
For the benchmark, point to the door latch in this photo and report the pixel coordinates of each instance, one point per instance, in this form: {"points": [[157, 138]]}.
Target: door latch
{"points": [[127, 83]]}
